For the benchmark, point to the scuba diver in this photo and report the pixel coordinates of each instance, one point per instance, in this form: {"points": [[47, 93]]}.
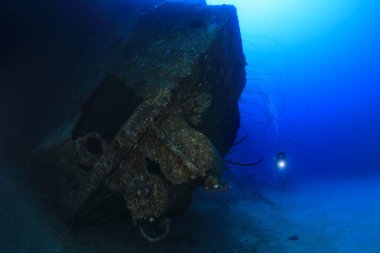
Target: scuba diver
{"points": [[280, 160]]}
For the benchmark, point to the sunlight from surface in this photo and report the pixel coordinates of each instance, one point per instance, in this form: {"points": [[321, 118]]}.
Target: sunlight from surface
{"points": [[294, 21], [311, 77]]}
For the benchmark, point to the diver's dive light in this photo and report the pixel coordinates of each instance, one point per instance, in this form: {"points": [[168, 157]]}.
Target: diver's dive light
{"points": [[280, 161]]}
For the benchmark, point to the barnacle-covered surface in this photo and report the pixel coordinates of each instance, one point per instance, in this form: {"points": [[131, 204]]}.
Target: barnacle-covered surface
{"points": [[174, 117]]}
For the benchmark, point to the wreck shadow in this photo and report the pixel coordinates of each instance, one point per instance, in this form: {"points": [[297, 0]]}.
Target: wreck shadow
{"points": [[213, 224], [195, 231]]}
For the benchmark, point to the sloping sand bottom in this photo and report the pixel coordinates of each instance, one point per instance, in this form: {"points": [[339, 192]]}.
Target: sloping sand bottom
{"points": [[323, 216]]}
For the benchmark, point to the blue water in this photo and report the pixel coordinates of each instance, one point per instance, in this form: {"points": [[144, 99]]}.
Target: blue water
{"points": [[312, 92], [314, 70]]}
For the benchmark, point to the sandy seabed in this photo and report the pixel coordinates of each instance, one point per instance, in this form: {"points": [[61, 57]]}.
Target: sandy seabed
{"points": [[320, 216]]}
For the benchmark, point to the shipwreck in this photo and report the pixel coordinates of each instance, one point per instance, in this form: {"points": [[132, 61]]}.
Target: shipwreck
{"points": [[157, 126]]}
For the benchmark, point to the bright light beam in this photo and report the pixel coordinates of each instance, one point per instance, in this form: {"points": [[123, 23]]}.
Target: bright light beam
{"points": [[293, 22]]}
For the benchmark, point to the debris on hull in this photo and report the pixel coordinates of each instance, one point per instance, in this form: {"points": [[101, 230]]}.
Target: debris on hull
{"points": [[158, 125]]}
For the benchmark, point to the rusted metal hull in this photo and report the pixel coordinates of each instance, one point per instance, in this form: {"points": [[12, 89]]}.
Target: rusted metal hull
{"points": [[176, 130]]}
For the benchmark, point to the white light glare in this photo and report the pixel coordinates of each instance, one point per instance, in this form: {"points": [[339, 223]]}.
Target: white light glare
{"points": [[281, 165]]}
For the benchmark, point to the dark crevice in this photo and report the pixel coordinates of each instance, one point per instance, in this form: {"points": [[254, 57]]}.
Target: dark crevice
{"points": [[152, 166], [94, 146]]}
